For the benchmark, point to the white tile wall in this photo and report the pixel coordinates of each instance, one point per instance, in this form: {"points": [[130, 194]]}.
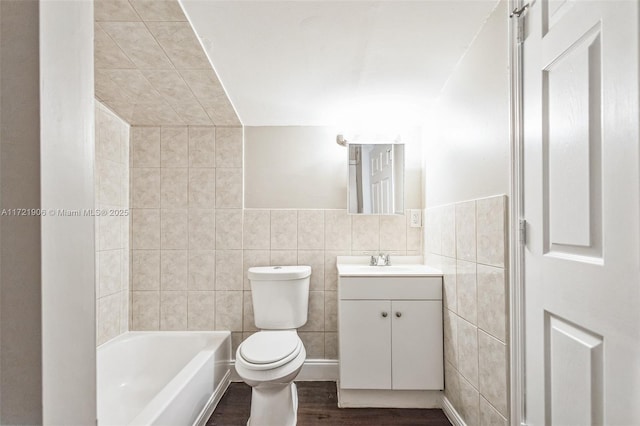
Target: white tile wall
{"points": [[112, 232], [468, 242]]}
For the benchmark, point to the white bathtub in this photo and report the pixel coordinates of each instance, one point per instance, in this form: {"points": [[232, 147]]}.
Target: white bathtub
{"points": [[162, 378]]}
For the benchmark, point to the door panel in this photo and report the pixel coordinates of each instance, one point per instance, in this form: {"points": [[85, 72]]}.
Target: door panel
{"points": [[581, 203], [416, 342], [365, 349]]}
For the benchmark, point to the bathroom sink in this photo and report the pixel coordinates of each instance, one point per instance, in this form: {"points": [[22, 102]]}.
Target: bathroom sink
{"points": [[405, 270]]}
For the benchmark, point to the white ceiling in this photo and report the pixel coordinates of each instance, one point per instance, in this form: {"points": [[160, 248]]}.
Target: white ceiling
{"points": [[295, 63]]}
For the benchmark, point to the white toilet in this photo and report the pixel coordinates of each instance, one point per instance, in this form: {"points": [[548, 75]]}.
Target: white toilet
{"points": [[270, 359]]}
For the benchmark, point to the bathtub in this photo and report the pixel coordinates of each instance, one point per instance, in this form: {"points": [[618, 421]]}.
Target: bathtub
{"points": [[162, 378]]}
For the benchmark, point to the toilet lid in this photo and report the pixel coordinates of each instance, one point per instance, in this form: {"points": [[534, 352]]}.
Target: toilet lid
{"points": [[268, 347]]}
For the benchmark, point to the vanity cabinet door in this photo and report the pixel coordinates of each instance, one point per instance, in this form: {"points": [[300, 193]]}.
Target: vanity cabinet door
{"points": [[365, 344], [417, 344]]}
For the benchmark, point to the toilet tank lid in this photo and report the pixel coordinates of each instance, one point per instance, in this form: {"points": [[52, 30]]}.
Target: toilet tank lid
{"points": [[273, 273]]}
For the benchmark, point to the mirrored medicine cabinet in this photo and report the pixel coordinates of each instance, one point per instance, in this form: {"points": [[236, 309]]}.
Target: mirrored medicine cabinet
{"points": [[376, 179]]}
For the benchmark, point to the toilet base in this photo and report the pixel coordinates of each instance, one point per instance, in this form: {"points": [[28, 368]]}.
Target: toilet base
{"points": [[274, 404]]}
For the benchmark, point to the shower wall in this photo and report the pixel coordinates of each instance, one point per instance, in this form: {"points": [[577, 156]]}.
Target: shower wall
{"points": [[112, 226]]}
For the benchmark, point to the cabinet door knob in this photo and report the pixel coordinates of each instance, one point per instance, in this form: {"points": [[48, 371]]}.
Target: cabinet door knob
{"points": [[384, 315], [398, 314]]}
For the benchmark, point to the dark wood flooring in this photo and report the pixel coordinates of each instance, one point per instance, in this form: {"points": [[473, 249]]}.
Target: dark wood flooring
{"points": [[318, 405]]}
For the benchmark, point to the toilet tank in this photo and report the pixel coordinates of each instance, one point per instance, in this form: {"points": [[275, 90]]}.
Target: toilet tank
{"points": [[280, 296]]}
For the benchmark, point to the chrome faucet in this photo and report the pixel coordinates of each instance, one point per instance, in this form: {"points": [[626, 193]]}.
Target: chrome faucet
{"points": [[380, 260]]}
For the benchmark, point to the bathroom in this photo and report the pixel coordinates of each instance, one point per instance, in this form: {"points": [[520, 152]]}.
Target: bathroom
{"points": [[205, 171]]}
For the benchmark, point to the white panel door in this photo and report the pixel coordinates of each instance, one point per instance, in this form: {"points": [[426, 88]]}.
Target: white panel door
{"points": [[365, 344], [382, 179], [416, 344], [581, 189]]}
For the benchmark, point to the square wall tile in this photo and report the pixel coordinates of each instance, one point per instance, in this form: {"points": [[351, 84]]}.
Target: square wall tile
{"points": [[257, 229], [202, 270], [393, 233], [310, 229], [173, 269], [365, 233], [492, 302], [330, 345], [228, 229], [145, 188], [229, 188], [284, 229], [337, 232], [470, 403], [452, 386], [493, 372], [145, 146], [491, 214], [448, 267], [202, 146], [450, 324], [152, 10], [174, 187], [315, 318], [229, 270], [466, 291], [313, 342], [248, 321], [145, 271], [201, 310], [110, 275], [466, 231], [145, 228], [109, 231], [315, 259], [489, 416], [173, 310], [180, 43], [174, 149], [229, 147], [202, 188], [138, 44], [284, 257], [468, 351], [448, 230], [202, 229], [330, 311], [108, 318], [253, 258], [229, 310], [174, 229], [145, 310], [331, 269]]}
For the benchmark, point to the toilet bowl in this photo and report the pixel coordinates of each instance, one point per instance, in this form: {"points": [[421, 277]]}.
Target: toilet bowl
{"points": [[271, 359]]}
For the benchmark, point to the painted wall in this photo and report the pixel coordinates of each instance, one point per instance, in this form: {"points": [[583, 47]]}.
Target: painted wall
{"points": [[67, 182], [112, 229], [20, 298], [303, 168], [467, 140], [466, 159]]}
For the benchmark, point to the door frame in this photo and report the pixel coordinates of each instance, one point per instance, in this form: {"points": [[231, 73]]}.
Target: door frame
{"points": [[517, 232]]}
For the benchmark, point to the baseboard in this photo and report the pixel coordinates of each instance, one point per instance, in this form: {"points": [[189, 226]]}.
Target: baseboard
{"points": [[211, 405], [452, 414], [319, 370], [387, 398], [313, 370]]}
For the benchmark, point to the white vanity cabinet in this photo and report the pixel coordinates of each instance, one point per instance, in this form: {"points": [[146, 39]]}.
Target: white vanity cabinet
{"points": [[390, 333]]}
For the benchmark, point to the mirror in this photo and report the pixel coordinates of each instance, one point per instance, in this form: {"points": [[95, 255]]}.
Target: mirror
{"points": [[376, 179]]}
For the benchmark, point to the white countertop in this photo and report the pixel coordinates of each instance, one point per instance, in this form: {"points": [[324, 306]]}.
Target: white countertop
{"points": [[401, 266]]}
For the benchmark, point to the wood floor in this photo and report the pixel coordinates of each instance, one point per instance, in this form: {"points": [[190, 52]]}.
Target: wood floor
{"points": [[318, 406]]}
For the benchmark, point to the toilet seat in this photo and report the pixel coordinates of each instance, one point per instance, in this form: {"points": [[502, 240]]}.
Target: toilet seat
{"points": [[267, 350]]}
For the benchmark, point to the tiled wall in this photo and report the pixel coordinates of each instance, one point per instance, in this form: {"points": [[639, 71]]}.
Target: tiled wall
{"points": [[112, 232], [192, 242], [468, 242]]}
